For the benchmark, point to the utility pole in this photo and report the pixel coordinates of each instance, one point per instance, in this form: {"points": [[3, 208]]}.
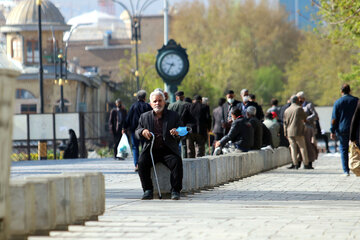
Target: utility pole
{"points": [[166, 32], [41, 70]]}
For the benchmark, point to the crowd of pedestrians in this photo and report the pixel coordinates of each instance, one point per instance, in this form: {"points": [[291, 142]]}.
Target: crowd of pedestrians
{"points": [[234, 125]]}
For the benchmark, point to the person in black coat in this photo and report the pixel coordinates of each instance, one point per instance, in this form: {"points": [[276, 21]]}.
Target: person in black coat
{"points": [[241, 132], [162, 123], [257, 125], [230, 104], [72, 149], [117, 124], [132, 121], [200, 125]]}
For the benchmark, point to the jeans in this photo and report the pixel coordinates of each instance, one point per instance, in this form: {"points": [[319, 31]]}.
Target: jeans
{"points": [[344, 151], [135, 148]]}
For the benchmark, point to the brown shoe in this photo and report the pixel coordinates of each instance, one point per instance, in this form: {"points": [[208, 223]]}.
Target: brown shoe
{"points": [[136, 168]]}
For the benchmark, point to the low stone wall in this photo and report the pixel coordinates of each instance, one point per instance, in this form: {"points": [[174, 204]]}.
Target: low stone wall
{"points": [[52, 202], [211, 171]]}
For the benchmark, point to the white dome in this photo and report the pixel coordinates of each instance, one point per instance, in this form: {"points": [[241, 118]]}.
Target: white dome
{"points": [[93, 25]]}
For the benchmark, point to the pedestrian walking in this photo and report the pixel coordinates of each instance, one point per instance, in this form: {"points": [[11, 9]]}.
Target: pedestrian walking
{"points": [[132, 121], [342, 115], [117, 124], [200, 125], [310, 127], [294, 128], [183, 109], [163, 124], [216, 126]]}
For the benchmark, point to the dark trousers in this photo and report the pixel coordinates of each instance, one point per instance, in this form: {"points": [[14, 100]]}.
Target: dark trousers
{"points": [[117, 138], [200, 141], [169, 159]]}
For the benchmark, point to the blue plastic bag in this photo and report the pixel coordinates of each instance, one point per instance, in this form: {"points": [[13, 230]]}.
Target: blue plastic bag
{"points": [[183, 131]]}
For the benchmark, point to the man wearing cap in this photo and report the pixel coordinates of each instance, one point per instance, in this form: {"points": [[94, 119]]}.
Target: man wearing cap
{"points": [[132, 121], [117, 124], [310, 127], [294, 129], [257, 126], [183, 109], [342, 115], [231, 103]]}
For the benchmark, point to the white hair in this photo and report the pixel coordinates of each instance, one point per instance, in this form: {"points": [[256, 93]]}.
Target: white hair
{"points": [[300, 94], [157, 93]]}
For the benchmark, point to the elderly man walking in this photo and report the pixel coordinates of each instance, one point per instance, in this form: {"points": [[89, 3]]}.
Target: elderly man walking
{"points": [[294, 128], [162, 123], [342, 115], [132, 121]]}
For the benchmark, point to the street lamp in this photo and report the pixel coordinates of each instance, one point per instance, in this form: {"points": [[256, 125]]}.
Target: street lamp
{"points": [[41, 70], [67, 43], [135, 18]]}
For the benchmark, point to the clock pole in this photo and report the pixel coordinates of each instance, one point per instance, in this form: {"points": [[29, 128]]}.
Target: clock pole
{"points": [[166, 37]]}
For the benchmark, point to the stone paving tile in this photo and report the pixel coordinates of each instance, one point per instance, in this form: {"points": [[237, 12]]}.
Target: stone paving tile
{"points": [[279, 204]]}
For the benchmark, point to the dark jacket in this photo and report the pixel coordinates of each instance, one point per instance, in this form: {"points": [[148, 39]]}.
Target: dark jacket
{"points": [[258, 132], [72, 149], [226, 108], [216, 120], [132, 119], [267, 137], [116, 125], [354, 128], [241, 134], [183, 109], [282, 111], [201, 119], [259, 110], [342, 114], [170, 120]]}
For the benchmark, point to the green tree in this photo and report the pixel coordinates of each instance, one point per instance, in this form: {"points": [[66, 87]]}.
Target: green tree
{"points": [[316, 69], [268, 83], [343, 20]]}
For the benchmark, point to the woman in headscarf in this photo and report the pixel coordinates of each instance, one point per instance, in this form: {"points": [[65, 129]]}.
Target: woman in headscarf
{"points": [[71, 150]]}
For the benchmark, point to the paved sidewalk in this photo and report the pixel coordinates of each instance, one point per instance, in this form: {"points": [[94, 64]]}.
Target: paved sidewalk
{"points": [[279, 204]]}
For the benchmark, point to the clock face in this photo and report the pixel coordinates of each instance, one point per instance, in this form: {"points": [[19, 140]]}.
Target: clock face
{"points": [[172, 64]]}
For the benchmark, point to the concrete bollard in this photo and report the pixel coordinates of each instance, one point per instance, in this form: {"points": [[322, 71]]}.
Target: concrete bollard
{"points": [[22, 209], [8, 74], [212, 161], [96, 185], [61, 197], [45, 208], [163, 174], [79, 198]]}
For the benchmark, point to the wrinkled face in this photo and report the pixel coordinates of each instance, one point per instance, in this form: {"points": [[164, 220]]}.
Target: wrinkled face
{"points": [[157, 102]]}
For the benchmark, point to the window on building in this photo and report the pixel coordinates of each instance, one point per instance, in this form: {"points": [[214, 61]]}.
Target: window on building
{"points": [[24, 94], [32, 51], [28, 108], [16, 49], [66, 106]]}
